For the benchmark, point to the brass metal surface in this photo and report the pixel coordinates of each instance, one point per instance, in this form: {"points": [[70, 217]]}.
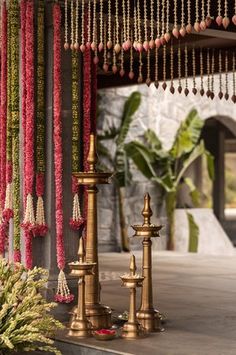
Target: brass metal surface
{"points": [[149, 317], [79, 325], [98, 314], [132, 329]]}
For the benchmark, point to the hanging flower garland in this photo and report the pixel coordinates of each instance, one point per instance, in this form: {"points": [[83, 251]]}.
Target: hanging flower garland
{"points": [[3, 125], [41, 228], [27, 46], [77, 220], [63, 294], [14, 42]]}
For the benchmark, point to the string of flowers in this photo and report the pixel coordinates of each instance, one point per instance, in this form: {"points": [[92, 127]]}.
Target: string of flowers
{"points": [[14, 42], [76, 220], [63, 293], [3, 124], [27, 26], [8, 206], [41, 228]]}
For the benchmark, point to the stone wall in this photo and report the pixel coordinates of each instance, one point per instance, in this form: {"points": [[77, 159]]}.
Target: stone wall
{"points": [[162, 112]]}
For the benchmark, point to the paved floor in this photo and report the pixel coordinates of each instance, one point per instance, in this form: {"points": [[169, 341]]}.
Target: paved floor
{"points": [[196, 293]]}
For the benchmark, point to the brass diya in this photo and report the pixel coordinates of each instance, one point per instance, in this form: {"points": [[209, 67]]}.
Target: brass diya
{"points": [[149, 317], [132, 329], [98, 314], [79, 324]]}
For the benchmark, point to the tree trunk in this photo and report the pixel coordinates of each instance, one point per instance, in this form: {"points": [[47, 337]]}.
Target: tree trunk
{"points": [[123, 227], [170, 212]]}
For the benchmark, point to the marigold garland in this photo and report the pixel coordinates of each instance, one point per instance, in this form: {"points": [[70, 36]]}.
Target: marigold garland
{"points": [[41, 228], [76, 220], [14, 42], [63, 294], [3, 126]]}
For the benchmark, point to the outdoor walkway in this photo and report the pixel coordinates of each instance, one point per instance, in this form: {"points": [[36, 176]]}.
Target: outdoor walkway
{"points": [[196, 293]]}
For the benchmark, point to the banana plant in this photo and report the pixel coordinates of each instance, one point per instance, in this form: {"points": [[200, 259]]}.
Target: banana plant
{"points": [[119, 161], [167, 168]]}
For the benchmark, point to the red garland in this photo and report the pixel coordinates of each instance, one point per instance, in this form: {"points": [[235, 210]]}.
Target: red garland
{"points": [[3, 125], [27, 18], [65, 296]]}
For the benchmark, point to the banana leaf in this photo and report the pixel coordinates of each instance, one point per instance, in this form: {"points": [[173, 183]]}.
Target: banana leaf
{"points": [[187, 135], [193, 190]]}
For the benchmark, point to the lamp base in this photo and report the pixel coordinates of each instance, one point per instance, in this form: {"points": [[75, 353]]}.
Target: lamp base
{"points": [[80, 328], [150, 319], [99, 316], [132, 331]]}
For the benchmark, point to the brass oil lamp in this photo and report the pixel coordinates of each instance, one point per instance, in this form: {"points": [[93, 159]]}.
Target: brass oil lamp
{"points": [[98, 314], [149, 317], [132, 329], [80, 325]]}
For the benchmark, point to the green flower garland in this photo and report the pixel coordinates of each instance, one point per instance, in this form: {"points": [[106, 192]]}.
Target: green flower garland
{"points": [[40, 227], [76, 220], [14, 42]]}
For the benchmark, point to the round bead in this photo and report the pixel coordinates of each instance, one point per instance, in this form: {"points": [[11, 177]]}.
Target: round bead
{"points": [[234, 20], [66, 46], [175, 32], [117, 48], [197, 27], [122, 72], [96, 60], [76, 46], [114, 69], [146, 45], [182, 31], [189, 28], [105, 67], [148, 82], [158, 42], [219, 20], [140, 79], [152, 43], [203, 25], [109, 44], [82, 48], [93, 46], [225, 22], [131, 75], [100, 47], [167, 37]]}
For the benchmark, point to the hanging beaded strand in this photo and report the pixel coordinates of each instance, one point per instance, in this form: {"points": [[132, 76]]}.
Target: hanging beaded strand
{"points": [[122, 71], [94, 42], [179, 69], [72, 25], [109, 42], [128, 40], [146, 42], [163, 41], [124, 26], [157, 40], [105, 61], [140, 44], [172, 89], [164, 85], [233, 98], [117, 45], [156, 83], [212, 74], [151, 42], [182, 30], [220, 95], [131, 70], [66, 44], [88, 43], [203, 25], [194, 90], [167, 33], [114, 65], [140, 76], [208, 18], [76, 45], [189, 26], [101, 45], [208, 93], [226, 20], [186, 90], [226, 76], [197, 27], [175, 30], [202, 73], [219, 18], [135, 42], [82, 47], [148, 80]]}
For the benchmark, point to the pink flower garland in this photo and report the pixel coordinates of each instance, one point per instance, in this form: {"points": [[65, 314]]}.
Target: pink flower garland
{"points": [[27, 18], [63, 295], [3, 125]]}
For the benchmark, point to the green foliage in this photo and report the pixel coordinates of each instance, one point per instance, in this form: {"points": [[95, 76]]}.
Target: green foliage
{"points": [[25, 321], [193, 234], [168, 168]]}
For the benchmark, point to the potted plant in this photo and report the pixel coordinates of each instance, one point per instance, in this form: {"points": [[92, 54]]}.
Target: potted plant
{"points": [[25, 321], [167, 168]]}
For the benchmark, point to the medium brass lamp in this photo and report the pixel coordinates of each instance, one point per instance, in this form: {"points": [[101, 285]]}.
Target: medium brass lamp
{"points": [[79, 325], [149, 317], [132, 329], [98, 314]]}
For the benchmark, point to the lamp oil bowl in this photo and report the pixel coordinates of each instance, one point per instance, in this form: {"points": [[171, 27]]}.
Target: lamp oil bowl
{"points": [[149, 317], [105, 334], [79, 325], [132, 329], [98, 314]]}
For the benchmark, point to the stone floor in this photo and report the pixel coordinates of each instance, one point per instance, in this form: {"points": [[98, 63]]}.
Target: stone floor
{"points": [[196, 293]]}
